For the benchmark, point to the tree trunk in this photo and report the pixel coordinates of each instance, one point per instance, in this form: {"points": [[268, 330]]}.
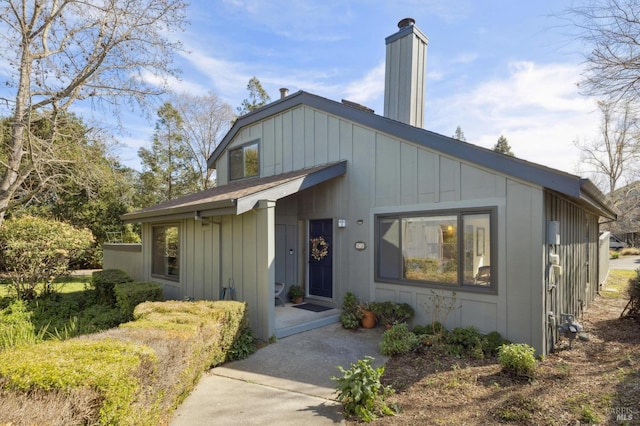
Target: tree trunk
{"points": [[11, 179]]}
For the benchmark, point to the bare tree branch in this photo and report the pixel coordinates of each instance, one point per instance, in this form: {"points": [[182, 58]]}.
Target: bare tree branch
{"points": [[611, 30], [613, 155], [205, 121], [63, 51]]}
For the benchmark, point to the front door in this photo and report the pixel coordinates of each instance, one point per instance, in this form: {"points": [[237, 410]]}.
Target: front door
{"points": [[321, 258]]}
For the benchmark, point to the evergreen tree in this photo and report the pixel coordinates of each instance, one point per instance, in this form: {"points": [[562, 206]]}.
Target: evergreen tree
{"points": [[459, 134], [258, 97], [167, 169], [502, 146]]}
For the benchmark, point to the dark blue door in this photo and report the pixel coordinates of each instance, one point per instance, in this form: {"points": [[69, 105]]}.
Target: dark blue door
{"points": [[321, 257]]}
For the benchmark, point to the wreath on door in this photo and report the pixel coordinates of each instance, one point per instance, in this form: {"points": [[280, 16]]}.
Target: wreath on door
{"points": [[319, 248]]}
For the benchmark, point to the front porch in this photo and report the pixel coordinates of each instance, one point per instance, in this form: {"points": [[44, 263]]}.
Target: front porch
{"points": [[290, 320]]}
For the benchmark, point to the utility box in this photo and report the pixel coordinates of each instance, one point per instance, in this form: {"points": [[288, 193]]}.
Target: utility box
{"points": [[553, 232]]}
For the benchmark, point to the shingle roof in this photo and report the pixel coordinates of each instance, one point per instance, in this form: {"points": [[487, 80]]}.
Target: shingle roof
{"points": [[240, 196]]}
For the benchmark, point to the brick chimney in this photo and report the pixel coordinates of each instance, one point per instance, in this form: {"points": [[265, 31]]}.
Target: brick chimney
{"points": [[404, 81]]}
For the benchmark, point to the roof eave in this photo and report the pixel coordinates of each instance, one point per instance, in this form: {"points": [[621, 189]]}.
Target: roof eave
{"points": [[179, 212], [590, 194]]}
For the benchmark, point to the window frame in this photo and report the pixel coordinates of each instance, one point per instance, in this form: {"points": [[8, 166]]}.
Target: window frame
{"points": [[491, 233], [175, 278], [242, 148]]}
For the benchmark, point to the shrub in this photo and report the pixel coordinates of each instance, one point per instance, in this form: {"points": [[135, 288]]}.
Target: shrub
{"points": [[16, 328], [434, 328], [104, 282], [398, 340], [36, 251], [351, 313], [466, 341], [518, 359], [391, 313], [492, 342], [243, 346], [112, 368], [361, 392], [633, 291], [135, 374], [129, 295]]}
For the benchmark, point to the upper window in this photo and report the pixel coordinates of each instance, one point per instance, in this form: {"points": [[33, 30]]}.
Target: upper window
{"points": [[244, 161], [166, 252], [447, 249]]}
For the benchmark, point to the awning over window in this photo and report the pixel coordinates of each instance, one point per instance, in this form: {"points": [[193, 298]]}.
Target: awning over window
{"points": [[238, 197]]}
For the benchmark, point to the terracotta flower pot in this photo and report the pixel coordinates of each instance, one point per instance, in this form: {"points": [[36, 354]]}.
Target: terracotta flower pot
{"points": [[368, 320], [297, 300]]}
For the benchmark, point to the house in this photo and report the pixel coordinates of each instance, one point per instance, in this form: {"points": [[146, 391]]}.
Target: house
{"points": [[336, 198]]}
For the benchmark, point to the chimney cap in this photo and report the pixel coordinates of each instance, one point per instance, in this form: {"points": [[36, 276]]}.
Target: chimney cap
{"points": [[284, 92], [406, 22]]}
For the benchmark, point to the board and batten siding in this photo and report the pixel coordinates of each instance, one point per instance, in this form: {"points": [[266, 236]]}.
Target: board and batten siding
{"points": [[219, 251], [579, 258], [388, 175]]}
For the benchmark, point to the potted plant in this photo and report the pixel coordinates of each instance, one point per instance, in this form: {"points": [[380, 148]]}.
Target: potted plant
{"points": [[368, 319], [296, 293]]}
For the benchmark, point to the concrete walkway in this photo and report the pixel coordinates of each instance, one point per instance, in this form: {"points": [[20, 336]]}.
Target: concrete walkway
{"points": [[285, 383]]}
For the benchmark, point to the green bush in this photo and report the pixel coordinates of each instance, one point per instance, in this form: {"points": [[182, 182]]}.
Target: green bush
{"points": [[633, 291], [129, 295], [391, 313], [466, 341], [243, 346], [111, 367], [104, 283], [492, 342], [107, 381], [435, 328], [16, 328], [361, 392], [518, 359], [351, 313], [36, 251], [398, 340]]}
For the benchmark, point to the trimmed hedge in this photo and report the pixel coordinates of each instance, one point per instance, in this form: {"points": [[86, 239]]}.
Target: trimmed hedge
{"points": [[141, 370], [129, 295], [111, 367], [104, 282]]}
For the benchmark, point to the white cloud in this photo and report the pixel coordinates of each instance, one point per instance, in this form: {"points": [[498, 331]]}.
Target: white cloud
{"points": [[536, 107], [465, 58], [370, 87], [301, 20]]}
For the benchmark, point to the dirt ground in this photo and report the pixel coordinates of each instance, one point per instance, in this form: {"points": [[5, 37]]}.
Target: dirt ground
{"points": [[594, 381]]}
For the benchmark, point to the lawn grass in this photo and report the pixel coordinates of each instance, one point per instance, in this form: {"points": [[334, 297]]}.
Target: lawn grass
{"points": [[72, 310], [69, 284], [616, 285]]}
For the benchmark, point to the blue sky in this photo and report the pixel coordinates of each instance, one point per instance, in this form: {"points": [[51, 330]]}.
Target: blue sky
{"points": [[493, 66]]}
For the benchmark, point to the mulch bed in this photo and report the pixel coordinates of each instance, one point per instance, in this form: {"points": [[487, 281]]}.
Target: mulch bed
{"points": [[595, 381]]}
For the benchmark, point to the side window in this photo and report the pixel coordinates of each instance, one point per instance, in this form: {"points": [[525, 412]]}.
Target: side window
{"points": [[166, 252], [244, 161]]}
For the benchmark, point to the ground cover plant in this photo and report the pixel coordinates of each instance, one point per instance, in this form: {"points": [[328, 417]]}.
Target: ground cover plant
{"points": [[70, 311], [595, 381]]}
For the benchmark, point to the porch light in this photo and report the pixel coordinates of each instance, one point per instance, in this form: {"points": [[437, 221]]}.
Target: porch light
{"points": [[342, 223]]}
